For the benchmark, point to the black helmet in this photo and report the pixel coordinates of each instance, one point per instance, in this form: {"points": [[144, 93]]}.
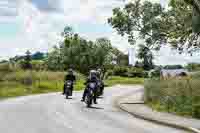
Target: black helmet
{"points": [[93, 73], [70, 71]]}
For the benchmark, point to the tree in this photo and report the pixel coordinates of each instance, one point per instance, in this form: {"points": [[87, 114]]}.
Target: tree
{"points": [[119, 57], [27, 60], [179, 24], [37, 56], [80, 53], [54, 60], [150, 22], [145, 54], [140, 20]]}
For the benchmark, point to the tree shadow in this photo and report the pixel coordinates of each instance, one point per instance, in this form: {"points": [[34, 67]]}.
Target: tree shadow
{"points": [[100, 97], [69, 98], [92, 107]]}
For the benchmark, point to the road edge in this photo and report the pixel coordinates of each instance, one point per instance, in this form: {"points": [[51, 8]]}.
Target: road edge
{"points": [[119, 105]]}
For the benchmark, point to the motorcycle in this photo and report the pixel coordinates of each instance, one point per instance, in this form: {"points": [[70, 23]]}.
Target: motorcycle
{"points": [[90, 94], [68, 88], [100, 88]]}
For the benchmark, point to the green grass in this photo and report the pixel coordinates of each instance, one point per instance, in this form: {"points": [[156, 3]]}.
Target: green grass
{"points": [[176, 95], [113, 80], [21, 83]]}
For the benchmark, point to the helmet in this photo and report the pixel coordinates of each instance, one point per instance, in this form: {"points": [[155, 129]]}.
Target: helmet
{"points": [[99, 70], [93, 73], [70, 71]]}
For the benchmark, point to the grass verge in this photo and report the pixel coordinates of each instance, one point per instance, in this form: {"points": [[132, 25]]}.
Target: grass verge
{"points": [[176, 95], [22, 83]]}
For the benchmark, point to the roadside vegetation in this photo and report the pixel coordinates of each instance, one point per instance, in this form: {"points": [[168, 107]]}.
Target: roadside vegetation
{"points": [[32, 82], [19, 82], [180, 95], [176, 26], [38, 72]]}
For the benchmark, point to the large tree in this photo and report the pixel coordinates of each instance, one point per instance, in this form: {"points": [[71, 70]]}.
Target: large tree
{"points": [[158, 26], [178, 20], [140, 20], [80, 53]]}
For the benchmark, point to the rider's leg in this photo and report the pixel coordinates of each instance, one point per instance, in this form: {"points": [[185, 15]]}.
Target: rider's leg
{"points": [[84, 94], [95, 97]]}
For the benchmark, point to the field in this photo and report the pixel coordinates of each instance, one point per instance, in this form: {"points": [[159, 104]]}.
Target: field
{"points": [[20, 82], [176, 95]]}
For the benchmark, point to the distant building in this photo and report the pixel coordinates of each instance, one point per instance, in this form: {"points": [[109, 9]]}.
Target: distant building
{"points": [[165, 73], [131, 56]]}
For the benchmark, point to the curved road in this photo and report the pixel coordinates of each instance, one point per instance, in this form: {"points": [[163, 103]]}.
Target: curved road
{"points": [[51, 113]]}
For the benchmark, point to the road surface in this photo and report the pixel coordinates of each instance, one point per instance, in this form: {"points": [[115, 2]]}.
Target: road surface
{"points": [[51, 113]]}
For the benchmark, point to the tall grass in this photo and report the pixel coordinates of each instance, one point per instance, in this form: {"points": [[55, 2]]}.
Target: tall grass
{"points": [[112, 80], [18, 83], [177, 95]]}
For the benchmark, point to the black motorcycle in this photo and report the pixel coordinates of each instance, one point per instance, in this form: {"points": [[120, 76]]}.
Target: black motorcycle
{"points": [[90, 94], [100, 88], [68, 88]]}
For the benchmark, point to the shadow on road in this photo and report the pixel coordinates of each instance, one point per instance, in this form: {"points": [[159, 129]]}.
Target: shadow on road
{"points": [[95, 108], [100, 97], [69, 98]]}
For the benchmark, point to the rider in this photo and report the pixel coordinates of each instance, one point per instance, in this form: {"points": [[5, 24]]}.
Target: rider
{"points": [[99, 74], [71, 77], [100, 78], [92, 78]]}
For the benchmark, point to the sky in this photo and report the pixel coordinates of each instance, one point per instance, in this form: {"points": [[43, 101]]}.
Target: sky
{"points": [[36, 25]]}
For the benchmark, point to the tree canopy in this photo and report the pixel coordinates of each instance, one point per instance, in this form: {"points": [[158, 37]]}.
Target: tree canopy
{"points": [[81, 54], [139, 20], [177, 25]]}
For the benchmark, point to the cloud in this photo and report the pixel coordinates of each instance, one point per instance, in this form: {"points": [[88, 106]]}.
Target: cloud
{"points": [[40, 23]]}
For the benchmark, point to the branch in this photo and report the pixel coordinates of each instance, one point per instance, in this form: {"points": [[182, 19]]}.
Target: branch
{"points": [[197, 5]]}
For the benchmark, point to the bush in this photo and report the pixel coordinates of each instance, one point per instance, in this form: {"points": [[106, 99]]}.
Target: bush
{"points": [[38, 65], [179, 95], [109, 73], [196, 75], [135, 72], [5, 67], [154, 73], [120, 71], [127, 71]]}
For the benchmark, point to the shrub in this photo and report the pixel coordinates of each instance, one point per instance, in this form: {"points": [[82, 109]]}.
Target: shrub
{"points": [[120, 71], [135, 72], [196, 75], [38, 65], [179, 95], [154, 73], [5, 67], [108, 73]]}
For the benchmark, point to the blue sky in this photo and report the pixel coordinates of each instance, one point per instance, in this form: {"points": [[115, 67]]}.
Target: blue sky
{"points": [[9, 30], [37, 24]]}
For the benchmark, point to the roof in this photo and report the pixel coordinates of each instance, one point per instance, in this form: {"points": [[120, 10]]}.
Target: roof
{"points": [[173, 72]]}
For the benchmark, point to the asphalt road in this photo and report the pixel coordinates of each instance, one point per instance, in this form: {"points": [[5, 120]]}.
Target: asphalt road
{"points": [[51, 113]]}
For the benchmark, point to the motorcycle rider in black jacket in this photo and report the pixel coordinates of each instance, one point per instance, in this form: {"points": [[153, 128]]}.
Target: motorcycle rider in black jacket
{"points": [[100, 78], [92, 78], [70, 76]]}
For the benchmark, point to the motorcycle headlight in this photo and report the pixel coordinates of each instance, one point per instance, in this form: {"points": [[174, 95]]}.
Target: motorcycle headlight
{"points": [[92, 85]]}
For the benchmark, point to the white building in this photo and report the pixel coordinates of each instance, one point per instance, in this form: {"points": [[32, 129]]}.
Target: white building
{"points": [[173, 72], [131, 56]]}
